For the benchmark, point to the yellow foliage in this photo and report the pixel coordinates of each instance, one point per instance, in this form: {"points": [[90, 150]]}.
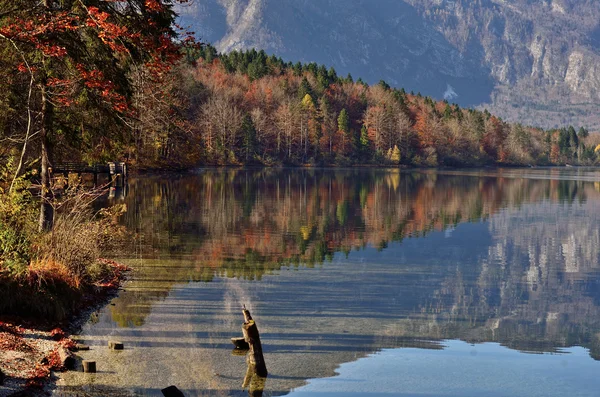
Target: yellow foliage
{"points": [[305, 231], [48, 271]]}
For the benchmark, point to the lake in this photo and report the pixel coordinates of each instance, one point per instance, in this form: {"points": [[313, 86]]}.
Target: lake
{"points": [[362, 282]]}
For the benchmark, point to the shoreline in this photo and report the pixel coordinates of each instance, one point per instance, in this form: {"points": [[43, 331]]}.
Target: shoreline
{"points": [[29, 358], [401, 167]]}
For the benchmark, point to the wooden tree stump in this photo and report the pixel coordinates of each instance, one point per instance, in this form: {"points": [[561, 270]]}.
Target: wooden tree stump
{"points": [[89, 366], [114, 345], [252, 337]]}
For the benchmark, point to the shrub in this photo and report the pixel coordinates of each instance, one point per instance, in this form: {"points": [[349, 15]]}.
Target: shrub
{"points": [[45, 274]]}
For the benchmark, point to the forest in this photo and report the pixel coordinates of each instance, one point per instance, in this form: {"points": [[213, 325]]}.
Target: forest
{"points": [[248, 107]]}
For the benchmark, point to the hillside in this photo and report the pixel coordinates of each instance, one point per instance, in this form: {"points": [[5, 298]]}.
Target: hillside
{"points": [[532, 61]]}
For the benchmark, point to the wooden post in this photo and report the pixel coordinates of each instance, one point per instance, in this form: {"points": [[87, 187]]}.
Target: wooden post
{"points": [[114, 345], [251, 335], [89, 366]]}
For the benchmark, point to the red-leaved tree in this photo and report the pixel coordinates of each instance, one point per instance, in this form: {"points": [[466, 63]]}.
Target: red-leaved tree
{"points": [[77, 59]]}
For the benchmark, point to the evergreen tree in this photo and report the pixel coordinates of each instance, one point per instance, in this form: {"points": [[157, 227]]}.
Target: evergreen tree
{"points": [[448, 112], [297, 68], [344, 121], [332, 75], [304, 89], [365, 146], [573, 140], [563, 140], [583, 133], [384, 85], [344, 129], [249, 138]]}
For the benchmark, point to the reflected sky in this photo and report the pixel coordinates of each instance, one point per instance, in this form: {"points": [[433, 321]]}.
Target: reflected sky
{"points": [[336, 265], [461, 370]]}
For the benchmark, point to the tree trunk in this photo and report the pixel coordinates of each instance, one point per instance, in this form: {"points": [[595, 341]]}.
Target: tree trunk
{"points": [[46, 210], [251, 335]]}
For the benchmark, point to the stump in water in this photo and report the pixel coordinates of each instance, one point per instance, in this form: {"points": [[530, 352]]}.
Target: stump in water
{"points": [[252, 337], [114, 345], [89, 366]]}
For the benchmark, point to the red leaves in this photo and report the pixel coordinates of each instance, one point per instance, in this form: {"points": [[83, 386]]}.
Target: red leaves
{"points": [[73, 45], [52, 50], [153, 5], [9, 341], [110, 33], [57, 334], [114, 278], [95, 81]]}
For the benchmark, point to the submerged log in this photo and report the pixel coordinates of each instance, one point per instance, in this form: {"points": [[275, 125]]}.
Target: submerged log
{"points": [[252, 337], [172, 391]]}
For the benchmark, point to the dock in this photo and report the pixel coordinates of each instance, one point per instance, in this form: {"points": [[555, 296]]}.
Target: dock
{"points": [[116, 172]]}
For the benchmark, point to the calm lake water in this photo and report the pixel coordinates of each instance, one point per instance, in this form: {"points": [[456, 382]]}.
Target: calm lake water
{"points": [[362, 282]]}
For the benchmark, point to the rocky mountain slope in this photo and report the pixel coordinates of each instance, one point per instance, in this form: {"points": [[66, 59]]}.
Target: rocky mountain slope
{"points": [[534, 61]]}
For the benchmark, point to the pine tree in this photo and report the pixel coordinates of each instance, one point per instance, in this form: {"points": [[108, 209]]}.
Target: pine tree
{"points": [[583, 133], [365, 146], [344, 129], [249, 138], [304, 89]]}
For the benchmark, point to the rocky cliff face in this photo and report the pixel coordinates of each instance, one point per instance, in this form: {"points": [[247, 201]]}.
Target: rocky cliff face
{"points": [[536, 61]]}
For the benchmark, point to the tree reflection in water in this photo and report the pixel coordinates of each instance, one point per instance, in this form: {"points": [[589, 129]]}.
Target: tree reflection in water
{"points": [[525, 273]]}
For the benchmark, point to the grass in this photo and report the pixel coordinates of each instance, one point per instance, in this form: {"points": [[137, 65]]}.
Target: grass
{"points": [[46, 276]]}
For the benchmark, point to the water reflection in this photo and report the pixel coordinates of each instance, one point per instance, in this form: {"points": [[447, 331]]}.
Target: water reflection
{"points": [[338, 264], [247, 223]]}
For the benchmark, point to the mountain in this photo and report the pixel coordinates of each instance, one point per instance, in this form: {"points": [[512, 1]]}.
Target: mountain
{"points": [[532, 61]]}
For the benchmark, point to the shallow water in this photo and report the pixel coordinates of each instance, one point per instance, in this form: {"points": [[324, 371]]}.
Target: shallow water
{"points": [[364, 282]]}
